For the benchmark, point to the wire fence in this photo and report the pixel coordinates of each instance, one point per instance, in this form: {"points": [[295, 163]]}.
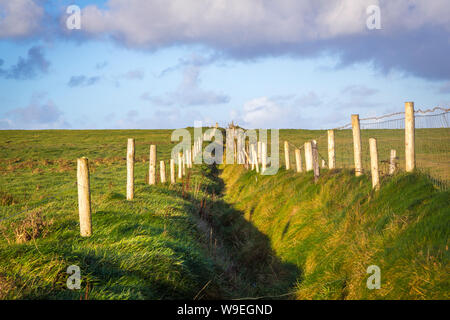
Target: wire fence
{"points": [[432, 143]]}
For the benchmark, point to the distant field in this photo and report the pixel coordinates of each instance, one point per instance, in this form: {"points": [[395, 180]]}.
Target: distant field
{"points": [[34, 164]]}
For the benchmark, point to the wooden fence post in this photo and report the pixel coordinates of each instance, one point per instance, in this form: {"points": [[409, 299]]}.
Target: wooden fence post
{"points": [[130, 169], [172, 171], [331, 151], [410, 154], [162, 171], [392, 162], [286, 155], [324, 164], [298, 160], [315, 158], [263, 157], [180, 165], [308, 156], [84, 197], [152, 170], [357, 145], [183, 160], [374, 163]]}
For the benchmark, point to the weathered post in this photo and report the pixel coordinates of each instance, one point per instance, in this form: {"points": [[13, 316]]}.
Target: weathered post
{"points": [[180, 165], [130, 169], [183, 160], [331, 151], [247, 157], [152, 170], [298, 160], [84, 197], [308, 156], [392, 162], [162, 171], [259, 151], [315, 157], [410, 154], [286, 155], [357, 145], [252, 156], [263, 156], [324, 165], [186, 158], [172, 171], [374, 163], [255, 158]]}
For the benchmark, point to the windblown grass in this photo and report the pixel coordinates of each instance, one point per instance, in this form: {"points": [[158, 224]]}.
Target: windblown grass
{"points": [[332, 231]]}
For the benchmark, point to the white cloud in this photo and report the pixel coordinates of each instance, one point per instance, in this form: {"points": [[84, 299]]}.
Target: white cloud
{"points": [[237, 23], [38, 115], [265, 113], [19, 18], [189, 92], [154, 23]]}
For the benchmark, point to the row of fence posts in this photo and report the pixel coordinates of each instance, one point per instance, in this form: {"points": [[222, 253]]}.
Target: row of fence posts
{"points": [[312, 157], [185, 160], [253, 155]]}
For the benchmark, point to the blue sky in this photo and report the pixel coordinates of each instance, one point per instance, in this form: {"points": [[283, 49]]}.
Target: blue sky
{"points": [[166, 64]]}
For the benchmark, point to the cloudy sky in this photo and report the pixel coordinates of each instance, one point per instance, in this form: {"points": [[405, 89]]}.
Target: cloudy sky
{"points": [[262, 63]]}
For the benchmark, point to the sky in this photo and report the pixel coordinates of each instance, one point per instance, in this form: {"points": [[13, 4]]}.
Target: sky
{"points": [[155, 64]]}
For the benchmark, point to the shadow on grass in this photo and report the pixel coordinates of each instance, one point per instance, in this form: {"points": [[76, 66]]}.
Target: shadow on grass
{"points": [[250, 268]]}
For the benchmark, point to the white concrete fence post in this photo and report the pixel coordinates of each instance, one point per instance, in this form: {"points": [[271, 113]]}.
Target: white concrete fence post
{"points": [[162, 171], [172, 171], [410, 154], [130, 169], [180, 165], [286, 155], [259, 151], [152, 169], [315, 158], [308, 156], [374, 163], [183, 161], [298, 160], [331, 150], [84, 197], [263, 157], [357, 150], [392, 162]]}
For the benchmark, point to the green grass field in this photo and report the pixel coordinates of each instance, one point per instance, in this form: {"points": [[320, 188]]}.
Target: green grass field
{"points": [[200, 238]]}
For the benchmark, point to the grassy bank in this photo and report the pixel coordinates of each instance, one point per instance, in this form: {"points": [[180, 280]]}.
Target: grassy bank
{"points": [[145, 249], [148, 248], [334, 230]]}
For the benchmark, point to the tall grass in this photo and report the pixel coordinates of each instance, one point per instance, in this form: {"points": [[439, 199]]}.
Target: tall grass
{"points": [[332, 231]]}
